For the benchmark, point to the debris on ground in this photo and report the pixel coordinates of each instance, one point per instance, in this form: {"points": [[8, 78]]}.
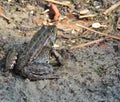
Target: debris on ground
{"points": [[88, 39]]}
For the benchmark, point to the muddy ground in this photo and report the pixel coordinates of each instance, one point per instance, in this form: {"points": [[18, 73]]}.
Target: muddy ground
{"points": [[90, 74]]}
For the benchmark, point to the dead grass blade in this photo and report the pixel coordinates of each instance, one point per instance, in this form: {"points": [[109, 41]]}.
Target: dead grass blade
{"points": [[88, 16], [60, 3], [2, 14], [113, 7], [97, 32], [87, 44]]}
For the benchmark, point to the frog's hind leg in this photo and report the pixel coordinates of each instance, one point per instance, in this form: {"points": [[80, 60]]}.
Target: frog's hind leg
{"points": [[39, 72]]}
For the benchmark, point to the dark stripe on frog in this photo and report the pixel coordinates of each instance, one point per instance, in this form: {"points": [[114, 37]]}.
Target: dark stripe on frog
{"points": [[37, 51]]}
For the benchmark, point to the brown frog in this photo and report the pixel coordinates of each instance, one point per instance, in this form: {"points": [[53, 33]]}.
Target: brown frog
{"points": [[33, 62]]}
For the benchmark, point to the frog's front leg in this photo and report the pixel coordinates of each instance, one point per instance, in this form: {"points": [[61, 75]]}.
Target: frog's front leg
{"points": [[38, 71]]}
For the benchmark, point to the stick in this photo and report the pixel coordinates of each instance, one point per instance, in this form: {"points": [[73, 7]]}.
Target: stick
{"points": [[112, 8], [5, 17], [87, 16], [104, 34], [87, 44], [60, 3], [2, 14]]}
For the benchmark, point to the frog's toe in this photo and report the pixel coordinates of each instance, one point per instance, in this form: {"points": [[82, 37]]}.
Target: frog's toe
{"points": [[39, 72]]}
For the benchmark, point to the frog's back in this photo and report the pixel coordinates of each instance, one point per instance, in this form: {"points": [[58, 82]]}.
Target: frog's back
{"points": [[44, 37]]}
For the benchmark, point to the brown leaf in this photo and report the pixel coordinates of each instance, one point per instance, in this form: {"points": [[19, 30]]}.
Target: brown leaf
{"points": [[54, 12], [37, 21], [71, 16]]}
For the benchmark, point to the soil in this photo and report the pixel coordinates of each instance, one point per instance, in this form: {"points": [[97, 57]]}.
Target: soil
{"points": [[89, 74]]}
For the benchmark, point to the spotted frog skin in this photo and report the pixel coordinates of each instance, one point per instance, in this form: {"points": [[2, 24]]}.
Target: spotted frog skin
{"points": [[33, 62]]}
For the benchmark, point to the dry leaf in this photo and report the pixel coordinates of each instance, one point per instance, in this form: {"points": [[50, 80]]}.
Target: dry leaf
{"points": [[71, 16], [54, 12], [38, 21]]}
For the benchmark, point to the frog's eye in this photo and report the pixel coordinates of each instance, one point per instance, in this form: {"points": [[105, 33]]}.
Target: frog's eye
{"points": [[52, 30]]}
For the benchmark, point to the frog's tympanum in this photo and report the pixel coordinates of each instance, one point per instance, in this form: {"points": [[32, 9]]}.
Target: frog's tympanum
{"points": [[33, 62]]}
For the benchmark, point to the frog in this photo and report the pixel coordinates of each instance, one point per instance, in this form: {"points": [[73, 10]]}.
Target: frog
{"points": [[33, 61]]}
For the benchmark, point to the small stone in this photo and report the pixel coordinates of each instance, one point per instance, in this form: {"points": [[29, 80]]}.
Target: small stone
{"points": [[96, 25], [85, 11]]}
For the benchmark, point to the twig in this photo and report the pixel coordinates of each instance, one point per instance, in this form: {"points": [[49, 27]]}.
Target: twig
{"points": [[87, 16], [87, 44], [3, 15], [112, 8], [60, 3], [104, 34]]}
